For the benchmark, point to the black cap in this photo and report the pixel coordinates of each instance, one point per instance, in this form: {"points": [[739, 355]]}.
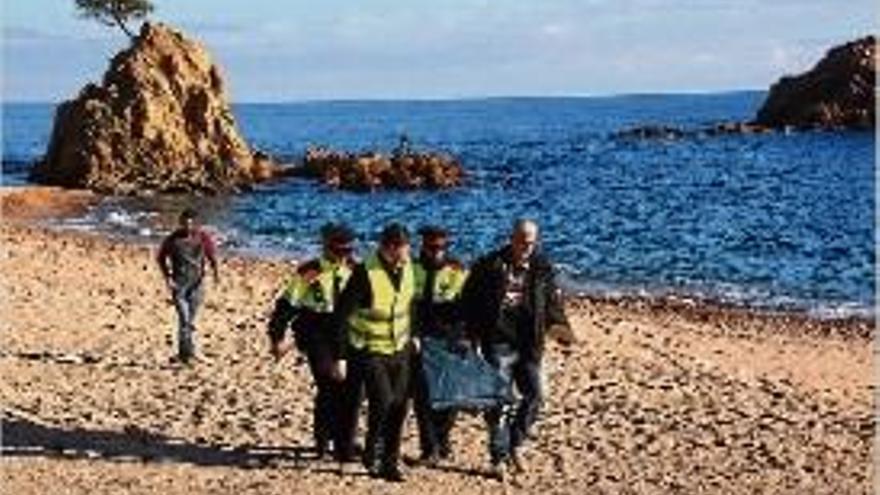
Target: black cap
{"points": [[394, 233], [337, 232], [433, 232]]}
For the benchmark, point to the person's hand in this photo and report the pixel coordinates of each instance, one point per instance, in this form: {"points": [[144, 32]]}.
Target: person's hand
{"points": [[279, 349], [562, 333], [460, 347], [339, 370]]}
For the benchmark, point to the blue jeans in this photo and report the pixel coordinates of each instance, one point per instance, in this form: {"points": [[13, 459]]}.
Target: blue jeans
{"points": [[186, 302], [510, 426]]}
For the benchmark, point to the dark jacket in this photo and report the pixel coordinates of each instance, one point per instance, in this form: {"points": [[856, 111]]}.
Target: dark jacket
{"points": [[182, 256], [482, 296], [310, 328], [438, 319]]}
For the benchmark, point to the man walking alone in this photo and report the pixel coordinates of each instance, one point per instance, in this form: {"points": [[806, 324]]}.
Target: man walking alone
{"points": [[182, 258]]}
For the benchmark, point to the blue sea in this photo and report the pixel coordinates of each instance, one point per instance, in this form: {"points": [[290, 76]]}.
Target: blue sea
{"points": [[782, 221]]}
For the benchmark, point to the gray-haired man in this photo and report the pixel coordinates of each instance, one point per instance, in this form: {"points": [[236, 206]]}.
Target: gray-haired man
{"points": [[509, 302]]}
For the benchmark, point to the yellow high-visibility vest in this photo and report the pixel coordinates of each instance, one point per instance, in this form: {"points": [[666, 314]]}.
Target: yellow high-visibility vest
{"points": [[448, 282], [384, 327], [313, 288]]}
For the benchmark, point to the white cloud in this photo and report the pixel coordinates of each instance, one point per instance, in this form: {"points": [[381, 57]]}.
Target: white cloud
{"points": [[555, 30]]}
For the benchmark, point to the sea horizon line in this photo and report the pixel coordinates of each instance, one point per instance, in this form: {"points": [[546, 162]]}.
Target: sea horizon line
{"points": [[463, 98]]}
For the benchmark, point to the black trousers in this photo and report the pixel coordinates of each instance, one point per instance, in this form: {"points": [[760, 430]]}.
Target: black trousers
{"points": [[349, 397], [434, 426], [326, 408], [332, 418], [386, 379]]}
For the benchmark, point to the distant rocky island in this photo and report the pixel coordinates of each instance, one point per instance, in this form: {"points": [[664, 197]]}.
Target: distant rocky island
{"points": [[837, 93], [160, 121]]}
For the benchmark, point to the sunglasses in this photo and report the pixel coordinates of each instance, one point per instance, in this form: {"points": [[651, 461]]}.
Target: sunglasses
{"points": [[436, 247], [341, 248]]}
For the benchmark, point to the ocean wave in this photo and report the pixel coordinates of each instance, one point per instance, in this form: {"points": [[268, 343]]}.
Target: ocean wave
{"points": [[104, 218]]}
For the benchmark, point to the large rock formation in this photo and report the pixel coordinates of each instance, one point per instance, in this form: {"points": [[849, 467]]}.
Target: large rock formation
{"points": [[159, 122], [837, 92]]}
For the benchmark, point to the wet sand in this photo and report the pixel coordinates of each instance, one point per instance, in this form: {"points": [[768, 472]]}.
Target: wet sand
{"points": [[654, 398]]}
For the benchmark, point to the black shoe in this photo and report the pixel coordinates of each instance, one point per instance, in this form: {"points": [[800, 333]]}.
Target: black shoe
{"points": [[322, 449], [516, 463], [391, 473], [346, 452], [374, 467], [445, 451], [184, 359], [429, 459]]}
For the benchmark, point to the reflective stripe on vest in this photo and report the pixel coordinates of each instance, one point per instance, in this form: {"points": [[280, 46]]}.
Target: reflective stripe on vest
{"points": [[448, 282], [384, 327], [316, 292]]}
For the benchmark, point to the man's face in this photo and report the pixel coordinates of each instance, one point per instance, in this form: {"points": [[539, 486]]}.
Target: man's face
{"points": [[395, 254], [523, 242], [338, 250], [187, 224], [434, 248]]}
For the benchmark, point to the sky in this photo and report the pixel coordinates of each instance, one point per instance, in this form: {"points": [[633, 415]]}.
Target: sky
{"points": [[295, 50]]}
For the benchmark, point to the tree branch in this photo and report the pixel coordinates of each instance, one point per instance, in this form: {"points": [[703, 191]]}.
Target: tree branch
{"points": [[121, 24]]}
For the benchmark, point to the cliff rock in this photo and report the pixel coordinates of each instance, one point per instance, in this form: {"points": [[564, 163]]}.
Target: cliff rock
{"points": [[837, 93], [160, 121]]}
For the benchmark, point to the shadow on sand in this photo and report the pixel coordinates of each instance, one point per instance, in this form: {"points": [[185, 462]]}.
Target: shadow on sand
{"points": [[22, 437], [448, 467]]}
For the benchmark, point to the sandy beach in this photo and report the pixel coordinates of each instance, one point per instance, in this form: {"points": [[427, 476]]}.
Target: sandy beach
{"points": [[655, 398]]}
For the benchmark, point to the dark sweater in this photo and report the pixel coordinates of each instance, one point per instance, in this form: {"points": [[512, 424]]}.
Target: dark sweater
{"points": [[187, 253], [482, 303]]}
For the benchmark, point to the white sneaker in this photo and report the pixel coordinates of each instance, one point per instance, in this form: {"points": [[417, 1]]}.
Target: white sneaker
{"points": [[516, 463], [498, 471]]}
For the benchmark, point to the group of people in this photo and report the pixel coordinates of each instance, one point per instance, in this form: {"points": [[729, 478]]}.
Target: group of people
{"points": [[364, 327]]}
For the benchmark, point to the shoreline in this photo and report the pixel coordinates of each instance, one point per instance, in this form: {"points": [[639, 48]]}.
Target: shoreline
{"points": [[38, 206]]}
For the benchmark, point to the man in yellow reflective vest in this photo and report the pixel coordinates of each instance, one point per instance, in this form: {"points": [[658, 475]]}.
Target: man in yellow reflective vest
{"points": [[306, 305], [373, 328], [439, 280]]}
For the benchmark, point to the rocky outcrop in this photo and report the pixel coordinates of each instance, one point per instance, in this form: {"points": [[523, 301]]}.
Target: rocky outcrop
{"points": [[669, 133], [372, 170], [651, 132], [723, 128], [837, 93], [160, 121]]}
